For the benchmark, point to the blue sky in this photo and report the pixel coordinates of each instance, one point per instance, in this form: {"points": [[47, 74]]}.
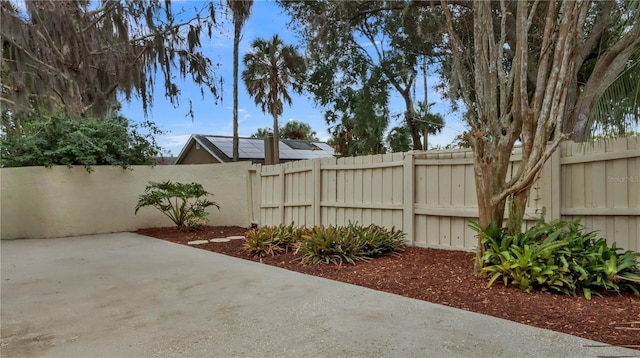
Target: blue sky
{"points": [[266, 20]]}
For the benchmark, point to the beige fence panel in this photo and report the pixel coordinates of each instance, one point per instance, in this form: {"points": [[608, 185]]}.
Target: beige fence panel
{"points": [[444, 199], [601, 187], [366, 190], [298, 199], [328, 192], [271, 191], [432, 197]]}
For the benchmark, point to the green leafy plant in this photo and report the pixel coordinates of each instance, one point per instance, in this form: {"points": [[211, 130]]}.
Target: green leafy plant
{"points": [[273, 240], [559, 256], [289, 236], [350, 243], [184, 204], [377, 240], [330, 244], [49, 140], [261, 242]]}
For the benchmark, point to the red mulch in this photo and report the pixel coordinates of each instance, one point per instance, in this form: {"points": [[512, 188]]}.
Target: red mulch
{"points": [[447, 278]]}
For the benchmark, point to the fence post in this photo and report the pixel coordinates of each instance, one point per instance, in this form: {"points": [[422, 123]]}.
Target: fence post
{"points": [[283, 195], [552, 183], [255, 194], [250, 194], [317, 187], [409, 197]]}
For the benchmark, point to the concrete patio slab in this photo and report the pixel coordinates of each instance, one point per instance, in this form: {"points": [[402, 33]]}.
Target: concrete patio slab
{"points": [[126, 295]]}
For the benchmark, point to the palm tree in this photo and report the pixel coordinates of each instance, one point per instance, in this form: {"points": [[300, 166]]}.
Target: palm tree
{"points": [[617, 111], [261, 133], [298, 130], [271, 67], [241, 10]]}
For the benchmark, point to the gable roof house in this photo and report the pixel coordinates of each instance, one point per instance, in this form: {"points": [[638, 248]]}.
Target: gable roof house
{"points": [[208, 149]]}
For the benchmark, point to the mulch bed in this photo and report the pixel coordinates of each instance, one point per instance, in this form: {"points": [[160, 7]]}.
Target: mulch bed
{"points": [[447, 278]]}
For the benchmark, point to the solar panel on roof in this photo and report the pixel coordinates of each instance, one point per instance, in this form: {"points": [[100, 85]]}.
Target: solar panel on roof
{"points": [[323, 146], [299, 144], [253, 148], [223, 144]]}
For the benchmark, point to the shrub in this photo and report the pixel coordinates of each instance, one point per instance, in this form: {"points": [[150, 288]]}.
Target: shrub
{"points": [[184, 204], [332, 245], [59, 140], [325, 244], [559, 256], [378, 240], [350, 244], [261, 242], [273, 240]]}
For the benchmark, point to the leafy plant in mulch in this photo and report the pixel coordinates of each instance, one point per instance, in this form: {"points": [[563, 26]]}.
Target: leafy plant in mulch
{"points": [[330, 244], [273, 240], [561, 257], [184, 203]]}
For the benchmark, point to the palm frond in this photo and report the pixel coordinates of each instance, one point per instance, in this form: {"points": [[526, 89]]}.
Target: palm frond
{"points": [[617, 111]]}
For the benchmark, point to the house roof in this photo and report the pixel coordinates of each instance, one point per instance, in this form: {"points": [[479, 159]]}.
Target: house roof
{"points": [[221, 147]]}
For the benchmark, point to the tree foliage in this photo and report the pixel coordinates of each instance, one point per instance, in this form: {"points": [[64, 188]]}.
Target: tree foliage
{"points": [[603, 85], [291, 130], [298, 130], [59, 140], [399, 139], [76, 57], [352, 40], [357, 109], [618, 109], [271, 68], [261, 133]]}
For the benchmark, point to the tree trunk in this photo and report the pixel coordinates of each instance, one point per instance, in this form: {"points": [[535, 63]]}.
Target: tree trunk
{"points": [[425, 131], [487, 185], [410, 117], [276, 140], [236, 45], [425, 137], [517, 206]]}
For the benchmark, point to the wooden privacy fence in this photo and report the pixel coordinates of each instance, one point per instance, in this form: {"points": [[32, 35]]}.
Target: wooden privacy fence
{"points": [[431, 195]]}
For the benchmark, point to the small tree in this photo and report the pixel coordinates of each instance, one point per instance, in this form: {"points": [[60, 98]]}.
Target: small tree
{"points": [[184, 204]]}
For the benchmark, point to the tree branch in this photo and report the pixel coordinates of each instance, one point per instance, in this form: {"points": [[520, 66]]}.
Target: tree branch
{"points": [[596, 33]]}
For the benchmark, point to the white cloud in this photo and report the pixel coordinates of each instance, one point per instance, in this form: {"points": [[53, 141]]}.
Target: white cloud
{"points": [[173, 143], [177, 139]]}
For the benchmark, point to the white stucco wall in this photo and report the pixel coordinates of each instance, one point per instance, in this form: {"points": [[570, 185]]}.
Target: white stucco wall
{"points": [[38, 202]]}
